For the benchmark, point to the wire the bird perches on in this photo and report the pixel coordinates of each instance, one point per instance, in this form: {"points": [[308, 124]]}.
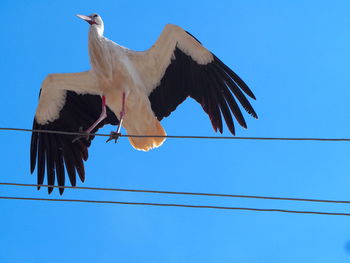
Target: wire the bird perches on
{"points": [[186, 136], [184, 193]]}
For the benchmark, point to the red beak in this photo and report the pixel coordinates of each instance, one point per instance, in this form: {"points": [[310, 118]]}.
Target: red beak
{"points": [[87, 19]]}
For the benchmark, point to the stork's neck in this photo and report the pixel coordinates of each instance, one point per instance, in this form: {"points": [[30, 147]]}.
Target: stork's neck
{"points": [[96, 32], [95, 43], [97, 49]]}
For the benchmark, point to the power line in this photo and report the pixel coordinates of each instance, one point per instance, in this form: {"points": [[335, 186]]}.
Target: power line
{"points": [[184, 193], [177, 205], [185, 136]]}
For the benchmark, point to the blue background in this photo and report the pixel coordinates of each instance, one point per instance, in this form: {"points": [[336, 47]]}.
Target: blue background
{"points": [[295, 57]]}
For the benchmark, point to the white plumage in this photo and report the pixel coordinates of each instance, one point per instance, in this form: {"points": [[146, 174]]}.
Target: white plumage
{"points": [[138, 88]]}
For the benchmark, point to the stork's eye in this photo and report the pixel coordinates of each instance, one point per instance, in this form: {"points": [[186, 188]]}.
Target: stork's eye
{"points": [[94, 16]]}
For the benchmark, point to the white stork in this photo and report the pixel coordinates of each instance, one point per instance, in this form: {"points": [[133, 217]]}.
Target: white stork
{"points": [[135, 89]]}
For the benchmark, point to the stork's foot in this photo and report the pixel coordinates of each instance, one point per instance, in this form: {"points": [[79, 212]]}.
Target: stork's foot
{"points": [[85, 136], [114, 136]]}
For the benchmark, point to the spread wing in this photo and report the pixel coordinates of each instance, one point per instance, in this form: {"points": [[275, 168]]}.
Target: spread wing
{"points": [[54, 153], [179, 66]]}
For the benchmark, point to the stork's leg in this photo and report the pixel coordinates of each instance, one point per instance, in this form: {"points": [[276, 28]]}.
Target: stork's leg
{"points": [[101, 118], [93, 126], [115, 135]]}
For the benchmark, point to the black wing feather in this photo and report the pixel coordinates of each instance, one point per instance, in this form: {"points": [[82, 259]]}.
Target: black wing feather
{"points": [[58, 160], [33, 149], [68, 160], [50, 169], [213, 85], [41, 160], [229, 98], [57, 152]]}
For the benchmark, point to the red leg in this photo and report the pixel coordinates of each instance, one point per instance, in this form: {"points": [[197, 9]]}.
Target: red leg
{"points": [[115, 135], [101, 118], [93, 126], [122, 113]]}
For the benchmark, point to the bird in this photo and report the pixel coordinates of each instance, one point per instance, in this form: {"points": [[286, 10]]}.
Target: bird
{"points": [[134, 90]]}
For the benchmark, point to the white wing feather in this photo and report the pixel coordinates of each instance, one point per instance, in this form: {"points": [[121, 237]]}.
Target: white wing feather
{"points": [[153, 63], [53, 93]]}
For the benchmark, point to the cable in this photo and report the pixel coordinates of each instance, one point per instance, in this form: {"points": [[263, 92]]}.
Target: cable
{"points": [[185, 136], [177, 205], [184, 193]]}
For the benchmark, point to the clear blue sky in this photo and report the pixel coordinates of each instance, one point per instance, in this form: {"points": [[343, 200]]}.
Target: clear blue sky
{"points": [[293, 54]]}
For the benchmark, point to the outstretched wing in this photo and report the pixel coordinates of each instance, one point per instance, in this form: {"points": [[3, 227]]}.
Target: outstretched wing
{"points": [[180, 66], [55, 153]]}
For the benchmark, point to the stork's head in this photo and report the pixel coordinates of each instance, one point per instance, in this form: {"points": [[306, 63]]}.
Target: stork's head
{"points": [[94, 20]]}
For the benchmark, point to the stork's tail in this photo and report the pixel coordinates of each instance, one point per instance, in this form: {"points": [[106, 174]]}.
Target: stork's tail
{"points": [[147, 143]]}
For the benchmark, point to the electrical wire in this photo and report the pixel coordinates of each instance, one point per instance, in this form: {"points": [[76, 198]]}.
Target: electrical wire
{"points": [[183, 193], [185, 136], [177, 205]]}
